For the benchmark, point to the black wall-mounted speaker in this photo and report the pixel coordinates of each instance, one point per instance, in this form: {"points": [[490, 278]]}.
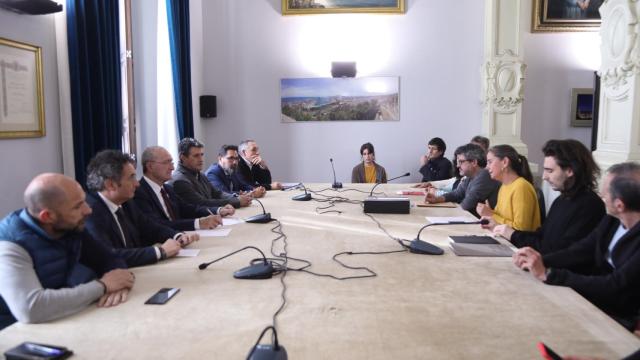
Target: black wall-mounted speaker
{"points": [[208, 108]]}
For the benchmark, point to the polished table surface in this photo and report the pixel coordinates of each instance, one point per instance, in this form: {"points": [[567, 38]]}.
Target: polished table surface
{"points": [[418, 307]]}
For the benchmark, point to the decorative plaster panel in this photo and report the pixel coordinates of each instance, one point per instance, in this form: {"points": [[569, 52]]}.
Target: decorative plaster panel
{"points": [[620, 57], [504, 83]]}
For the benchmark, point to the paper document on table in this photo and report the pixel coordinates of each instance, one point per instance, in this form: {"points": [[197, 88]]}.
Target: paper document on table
{"points": [[188, 252], [231, 221], [411, 192], [448, 219], [287, 186], [214, 232], [438, 205]]}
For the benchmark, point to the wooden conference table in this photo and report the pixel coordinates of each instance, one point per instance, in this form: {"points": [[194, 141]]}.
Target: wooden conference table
{"points": [[418, 307]]}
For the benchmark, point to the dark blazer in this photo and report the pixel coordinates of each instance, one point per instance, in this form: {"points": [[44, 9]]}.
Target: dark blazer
{"points": [[436, 169], [185, 213], [570, 219], [194, 188], [144, 232], [219, 179], [254, 176], [358, 175], [615, 290]]}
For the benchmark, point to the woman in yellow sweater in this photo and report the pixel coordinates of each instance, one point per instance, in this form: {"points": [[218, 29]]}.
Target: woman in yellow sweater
{"points": [[517, 204], [368, 171]]}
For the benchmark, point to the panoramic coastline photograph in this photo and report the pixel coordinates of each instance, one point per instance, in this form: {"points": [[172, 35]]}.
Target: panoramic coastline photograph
{"points": [[291, 7], [340, 99]]}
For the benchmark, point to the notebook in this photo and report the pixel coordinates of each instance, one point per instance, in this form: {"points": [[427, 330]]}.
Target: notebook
{"points": [[474, 239], [486, 250]]}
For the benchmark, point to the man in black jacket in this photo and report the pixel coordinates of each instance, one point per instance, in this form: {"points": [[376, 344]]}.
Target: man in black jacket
{"points": [[117, 221], [253, 168], [193, 186], [434, 166], [604, 267], [569, 168], [159, 202]]}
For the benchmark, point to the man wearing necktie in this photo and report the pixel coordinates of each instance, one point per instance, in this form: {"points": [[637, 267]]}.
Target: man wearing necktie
{"points": [[157, 200], [117, 222], [604, 267]]}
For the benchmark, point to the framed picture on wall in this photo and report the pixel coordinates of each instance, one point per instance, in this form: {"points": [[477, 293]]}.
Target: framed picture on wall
{"points": [[339, 99], [582, 107], [566, 15], [301, 7], [21, 90]]}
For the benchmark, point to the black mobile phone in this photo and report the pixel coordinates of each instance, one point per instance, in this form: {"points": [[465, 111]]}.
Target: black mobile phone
{"points": [[162, 296], [29, 350], [547, 353]]}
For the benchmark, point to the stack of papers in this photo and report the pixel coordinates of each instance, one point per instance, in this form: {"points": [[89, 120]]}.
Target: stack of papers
{"points": [[486, 250], [448, 219]]}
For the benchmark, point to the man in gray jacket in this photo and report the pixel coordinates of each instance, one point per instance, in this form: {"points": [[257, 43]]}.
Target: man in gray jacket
{"points": [[476, 187]]}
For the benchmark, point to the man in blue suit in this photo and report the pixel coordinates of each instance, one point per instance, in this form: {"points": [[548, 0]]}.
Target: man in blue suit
{"points": [[117, 221], [158, 201], [224, 175]]}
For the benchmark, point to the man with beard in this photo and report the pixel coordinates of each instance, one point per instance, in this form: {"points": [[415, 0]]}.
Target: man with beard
{"points": [[224, 175], [51, 267]]}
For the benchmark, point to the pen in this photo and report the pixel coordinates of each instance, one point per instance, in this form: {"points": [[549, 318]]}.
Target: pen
{"points": [[210, 212]]}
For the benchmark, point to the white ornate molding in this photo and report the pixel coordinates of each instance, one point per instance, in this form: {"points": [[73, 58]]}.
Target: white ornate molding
{"points": [[620, 50], [504, 83]]}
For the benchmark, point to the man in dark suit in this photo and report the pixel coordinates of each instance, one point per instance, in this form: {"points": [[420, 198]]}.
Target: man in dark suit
{"points": [[117, 221], [159, 202], [224, 175], [253, 168], [570, 169], [604, 267], [192, 185]]}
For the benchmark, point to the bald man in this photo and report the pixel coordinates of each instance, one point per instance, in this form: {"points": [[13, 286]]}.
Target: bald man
{"points": [[158, 201], [50, 266]]}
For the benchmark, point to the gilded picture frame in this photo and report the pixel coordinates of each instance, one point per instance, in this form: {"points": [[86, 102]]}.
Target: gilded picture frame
{"points": [[307, 7], [582, 100], [565, 15], [21, 90]]}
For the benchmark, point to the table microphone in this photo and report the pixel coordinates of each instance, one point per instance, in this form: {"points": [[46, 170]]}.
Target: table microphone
{"points": [[335, 185], [265, 217], [397, 177], [262, 269], [273, 351], [418, 246], [302, 197]]}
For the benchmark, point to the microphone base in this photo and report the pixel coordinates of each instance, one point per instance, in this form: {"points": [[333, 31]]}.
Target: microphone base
{"points": [[302, 197], [269, 352], [337, 185], [255, 272], [399, 205], [424, 248], [259, 219]]}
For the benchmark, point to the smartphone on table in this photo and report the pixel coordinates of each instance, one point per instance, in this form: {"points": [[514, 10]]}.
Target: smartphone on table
{"points": [[162, 296]]}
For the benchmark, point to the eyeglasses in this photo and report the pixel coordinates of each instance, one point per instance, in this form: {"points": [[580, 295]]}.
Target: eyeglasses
{"points": [[460, 161]]}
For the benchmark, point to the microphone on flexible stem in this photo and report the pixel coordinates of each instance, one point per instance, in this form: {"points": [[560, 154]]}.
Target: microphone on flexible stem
{"points": [[302, 197], [258, 270], [418, 246], [397, 177], [265, 217], [274, 351], [335, 185]]}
